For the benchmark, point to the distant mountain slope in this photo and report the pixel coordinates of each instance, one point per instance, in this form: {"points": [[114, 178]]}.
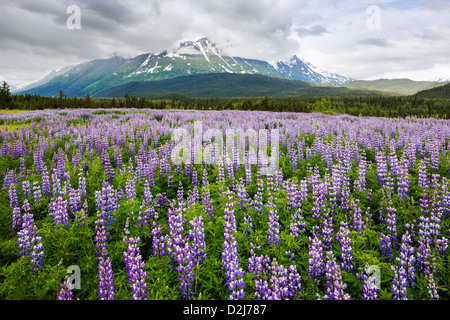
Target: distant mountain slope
{"points": [[228, 85], [395, 86], [189, 58], [437, 92]]}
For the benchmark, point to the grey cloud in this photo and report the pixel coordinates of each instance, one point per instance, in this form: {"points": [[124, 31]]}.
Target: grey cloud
{"points": [[315, 30], [377, 42], [35, 38]]}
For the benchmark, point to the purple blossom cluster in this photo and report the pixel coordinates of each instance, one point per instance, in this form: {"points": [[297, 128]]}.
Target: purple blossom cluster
{"points": [[335, 285], [106, 289], [369, 286], [66, 290], [107, 203], [197, 235], [273, 281], [30, 242], [355, 162], [58, 210], [273, 236], [345, 242], [230, 260], [135, 269], [316, 262]]}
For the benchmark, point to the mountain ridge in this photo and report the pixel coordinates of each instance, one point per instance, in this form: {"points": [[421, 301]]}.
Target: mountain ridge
{"points": [[190, 57], [228, 85]]}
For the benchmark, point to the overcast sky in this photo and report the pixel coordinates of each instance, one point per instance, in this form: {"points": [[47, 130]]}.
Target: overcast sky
{"points": [[359, 39]]}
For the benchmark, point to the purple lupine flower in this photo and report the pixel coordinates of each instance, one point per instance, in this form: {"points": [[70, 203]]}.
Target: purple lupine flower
{"points": [[101, 235], [303, 195], [180, 196], [369, 287], [46, 186], [74, 201], [426, 265], [207, 202], [318, 200], [315, 262], [107, 203], [145, 214], [285, 283], [248, 172], [382, 169], [105, 277], [56, 185], [297, 225], [327, 231], [431, 286], [13, 200], [82, 184], [197, 234], [22, 169], [391, 223], [130, 189], [360, 183], [184, 254], [230, 260], [26, 187], [422, 180], [58, 210], [205, 180], [434, 157], [148, 197], [259, 267], [357, 219], [345, 196], [6, 148], [335, 286], [16, 220], [25, 235], [293, 197], [425, 225], [403, 181], [29, 240], [257, 202], [399, 283], [345, 242], [441, 249], [176, 230], [135, 269], [37, 253], [118, 158], [386, 246], [109, 172], [37, 194], [273, 236], [407, 259], [66, 290], [10, 178], [158, 241], [193, 196]]}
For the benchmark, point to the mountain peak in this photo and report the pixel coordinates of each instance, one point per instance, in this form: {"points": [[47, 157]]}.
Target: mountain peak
{"points": [[201, 56]]}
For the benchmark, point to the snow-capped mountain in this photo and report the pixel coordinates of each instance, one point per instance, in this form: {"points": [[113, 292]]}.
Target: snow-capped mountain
{"points": [[190, 57]]}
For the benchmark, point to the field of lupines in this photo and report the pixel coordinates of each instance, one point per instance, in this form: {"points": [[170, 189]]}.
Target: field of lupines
{"points": [[358, 208]]}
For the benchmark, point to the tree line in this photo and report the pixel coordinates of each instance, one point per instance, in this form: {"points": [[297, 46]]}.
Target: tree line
{"points": [[396, 106]]}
